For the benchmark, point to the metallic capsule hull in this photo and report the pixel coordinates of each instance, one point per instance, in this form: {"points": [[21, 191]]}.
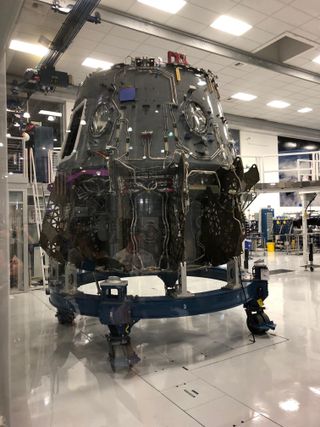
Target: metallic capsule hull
{"points": [[148, 177]]}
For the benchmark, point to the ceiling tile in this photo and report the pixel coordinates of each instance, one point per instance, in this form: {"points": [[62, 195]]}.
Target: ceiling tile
{"points": [[120, 5], [196, 13], [129, 34], [216, 35], [258, 35], [218, 6], [144, 11], [119, 42], [268, 7], [186, 24], [246, 14], [274, 26], [312, 26], [292, 16], [158, 43], [312, 7], [244, 44], [109, 50]]}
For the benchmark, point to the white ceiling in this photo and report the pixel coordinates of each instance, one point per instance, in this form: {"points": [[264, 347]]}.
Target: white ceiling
{"points": [[269, 18]]}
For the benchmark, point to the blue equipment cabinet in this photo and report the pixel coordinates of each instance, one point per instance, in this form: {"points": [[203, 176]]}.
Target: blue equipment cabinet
{"points": [[266, 223]]}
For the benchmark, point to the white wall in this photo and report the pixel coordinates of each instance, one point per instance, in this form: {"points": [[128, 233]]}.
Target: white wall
{"points": [[253, 145]]}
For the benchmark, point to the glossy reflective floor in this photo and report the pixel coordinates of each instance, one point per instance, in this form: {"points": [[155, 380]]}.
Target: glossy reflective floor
{"points": [[194, 371]]}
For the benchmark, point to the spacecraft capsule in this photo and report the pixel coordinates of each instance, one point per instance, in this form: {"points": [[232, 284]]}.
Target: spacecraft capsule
{"points": [[148, 176]]}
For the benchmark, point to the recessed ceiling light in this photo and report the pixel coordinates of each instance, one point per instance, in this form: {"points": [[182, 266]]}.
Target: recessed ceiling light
{"points": [[33, 48], [243, 96], [305, 110], [50, 118], [231, 25], [97, 63], [278, 104], [316, 59], [291, 144], [26, 115], [50, 113], [170, 6]]}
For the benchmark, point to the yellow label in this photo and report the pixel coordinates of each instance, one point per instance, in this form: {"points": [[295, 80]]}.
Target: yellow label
{"points": [[260, 302], [178, 75]]}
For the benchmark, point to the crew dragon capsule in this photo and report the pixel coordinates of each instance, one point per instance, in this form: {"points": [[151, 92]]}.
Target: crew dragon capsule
{"points": [[148, 179]]}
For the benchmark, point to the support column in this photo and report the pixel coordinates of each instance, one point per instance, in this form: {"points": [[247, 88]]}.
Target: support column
{"points": [[9, 13], [304, 228]]}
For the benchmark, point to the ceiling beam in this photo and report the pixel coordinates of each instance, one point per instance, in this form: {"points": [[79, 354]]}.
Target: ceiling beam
{"points": [[132, 22]]}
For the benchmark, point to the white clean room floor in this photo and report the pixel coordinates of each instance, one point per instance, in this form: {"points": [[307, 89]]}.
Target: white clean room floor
{"points": [[196, 371]]}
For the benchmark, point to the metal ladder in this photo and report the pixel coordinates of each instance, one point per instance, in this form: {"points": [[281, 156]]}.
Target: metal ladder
{"points": [[38, 214]]}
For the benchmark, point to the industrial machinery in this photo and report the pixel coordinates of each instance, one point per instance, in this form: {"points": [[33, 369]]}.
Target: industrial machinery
{"points": [[149, 184]]}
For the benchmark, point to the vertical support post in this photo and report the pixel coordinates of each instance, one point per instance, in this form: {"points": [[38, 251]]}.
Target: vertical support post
{"points": [[233, 274], [183, 279], [70, 286], [304, 229]]}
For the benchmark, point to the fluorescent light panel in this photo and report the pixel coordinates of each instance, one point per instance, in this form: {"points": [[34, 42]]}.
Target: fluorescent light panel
{"points": [[278, 104], [231, 25], [50, 113], [243, 96], [97, 63], [305, 110], [33, 48], [169, 6], [316, 59]]}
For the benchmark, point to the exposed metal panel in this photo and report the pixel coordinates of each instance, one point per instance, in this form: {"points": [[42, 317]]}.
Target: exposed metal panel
{"points": [[280, 129], [132, 22]]}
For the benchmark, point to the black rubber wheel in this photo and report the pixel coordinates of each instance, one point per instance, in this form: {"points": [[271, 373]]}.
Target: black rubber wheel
{"points": [[311, 269], [256, 320], [65, 317]]}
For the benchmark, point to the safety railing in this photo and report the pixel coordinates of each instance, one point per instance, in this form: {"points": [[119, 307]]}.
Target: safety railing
{"points": [[17, 156], [53, 160], [296, 166]]}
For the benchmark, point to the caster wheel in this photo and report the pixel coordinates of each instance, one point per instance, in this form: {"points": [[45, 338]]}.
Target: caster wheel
{"points": [[255, 321], [65, 317], [311, 269]]}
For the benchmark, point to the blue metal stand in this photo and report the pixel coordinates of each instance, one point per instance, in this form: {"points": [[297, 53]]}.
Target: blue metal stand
{"points": [[120, 311]]}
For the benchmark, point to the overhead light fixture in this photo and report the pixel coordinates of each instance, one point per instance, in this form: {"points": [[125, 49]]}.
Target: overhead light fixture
{"points": [[50, 113], [310, 147], [316, 59], [305, 110], [291, 144], [278, 104], [16, 125], [33, 48], [8, 135], [97, 63], [243, 96], [231, 25], [83, 122], [50, 118], [26, 115], [169, 6]]}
